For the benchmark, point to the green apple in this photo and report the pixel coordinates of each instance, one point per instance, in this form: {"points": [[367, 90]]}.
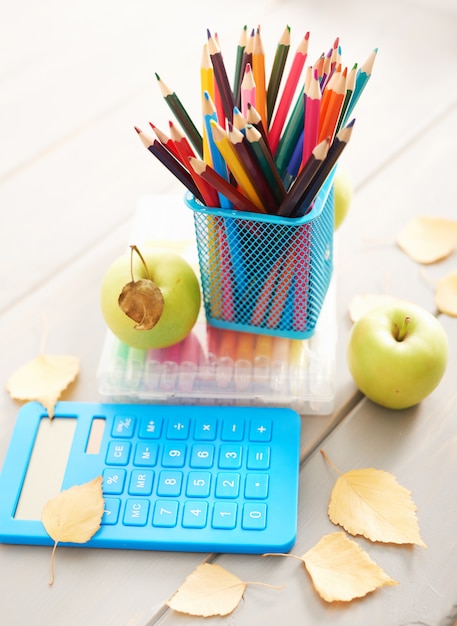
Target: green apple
{"points": [[150, 299], [397, 354], [343, 191]]}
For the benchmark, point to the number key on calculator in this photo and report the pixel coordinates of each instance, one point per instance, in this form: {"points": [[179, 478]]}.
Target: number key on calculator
{"points": [[175, 477]]}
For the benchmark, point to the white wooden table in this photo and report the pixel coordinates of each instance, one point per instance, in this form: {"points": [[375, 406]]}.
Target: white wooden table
{"points": [[75, 78]]}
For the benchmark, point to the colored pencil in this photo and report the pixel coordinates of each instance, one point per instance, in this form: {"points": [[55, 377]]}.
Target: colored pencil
{"points": [[182, 116], [303, 180], [166, 141], [248, 90], [334, 152], [240, 202], [171, 163], [234, 164], [239, 65], [265, 295], [363, 76], [247, 58], [277, 71], [184, 148], [313, 97], [350, 84], [239, 121], [335, 103], [265, 160], [255, 120], [207, 86], [288, 93], [226, 260], [252, 168], [221, 78], [291, 134], [258, 68]]}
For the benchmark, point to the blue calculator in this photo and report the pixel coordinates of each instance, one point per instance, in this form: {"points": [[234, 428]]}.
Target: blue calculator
{"points": [[175, 477]]}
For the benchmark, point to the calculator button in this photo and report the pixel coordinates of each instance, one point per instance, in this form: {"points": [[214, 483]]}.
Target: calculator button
{"points": [[174, 455], [195, 514], [178, 428], [230, 457], [254, 516], [165, 513], [118, 452], [198, 484], [202, 456], [227, 485], [141, 482], [150, 428], [256, 486], [111, 514], [123, 427], [170, 484], [233, 429], [260, 429], [224, 515], [258, 457], [136, 512], [113, 481], [205, 429], [146, 454]]}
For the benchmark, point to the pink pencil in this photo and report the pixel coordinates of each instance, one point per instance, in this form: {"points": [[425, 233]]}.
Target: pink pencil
{"points": [[312, 111], [288, 93], [248, 90], [228, 310]]}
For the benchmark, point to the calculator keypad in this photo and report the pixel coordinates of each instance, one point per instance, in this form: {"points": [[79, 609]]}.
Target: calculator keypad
{"points": [[188, 472], [175, 477]]}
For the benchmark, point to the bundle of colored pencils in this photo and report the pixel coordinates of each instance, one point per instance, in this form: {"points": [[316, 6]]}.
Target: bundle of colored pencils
{"points": [[267, 142]]}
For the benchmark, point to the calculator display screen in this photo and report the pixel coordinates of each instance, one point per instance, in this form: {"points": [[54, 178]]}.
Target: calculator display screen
{"points": [[46, 468]]}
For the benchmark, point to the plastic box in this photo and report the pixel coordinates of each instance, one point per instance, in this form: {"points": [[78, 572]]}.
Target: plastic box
{"points": [[219, 365]]}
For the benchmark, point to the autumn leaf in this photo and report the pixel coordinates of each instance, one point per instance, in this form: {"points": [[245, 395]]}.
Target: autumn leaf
{"points": [[446, 294], [428, 239], [209, 590], [43, 379], [372, 503], [74, 515], [341, 571]]}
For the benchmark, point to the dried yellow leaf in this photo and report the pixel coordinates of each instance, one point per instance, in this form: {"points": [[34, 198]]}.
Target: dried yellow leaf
{"points": [[372, 503], [446, 294], [428, 239], [361, 304], [341, 571], [209, 590], [74, 515], [43, 379]]}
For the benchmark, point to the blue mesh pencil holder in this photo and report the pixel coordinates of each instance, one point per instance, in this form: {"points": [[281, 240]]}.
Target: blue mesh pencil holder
{"points": [[263, 273]]}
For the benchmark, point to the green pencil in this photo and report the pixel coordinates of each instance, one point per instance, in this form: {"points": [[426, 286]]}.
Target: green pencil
{"points": [[277, 70]]}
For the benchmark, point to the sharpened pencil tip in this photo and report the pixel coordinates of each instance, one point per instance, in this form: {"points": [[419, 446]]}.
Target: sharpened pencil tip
{"points": [[138, 130], [157, 76]]}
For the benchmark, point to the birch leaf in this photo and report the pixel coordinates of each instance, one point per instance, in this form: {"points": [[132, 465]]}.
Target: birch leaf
{"points": [[341, 571], [74, 515], [43, 379], [372, 503], [446, 294], [209, 590], [428, 239]]}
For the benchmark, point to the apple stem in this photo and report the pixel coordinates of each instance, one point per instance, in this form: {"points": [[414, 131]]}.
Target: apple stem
{"points": [[402, 332], [133, 249]]}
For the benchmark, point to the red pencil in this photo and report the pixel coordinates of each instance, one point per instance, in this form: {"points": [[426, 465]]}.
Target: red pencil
{"points": [[288, 93]]}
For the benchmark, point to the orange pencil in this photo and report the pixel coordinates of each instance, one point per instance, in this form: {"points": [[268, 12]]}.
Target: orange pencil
{"points": [[258, 68], [327, 126]]}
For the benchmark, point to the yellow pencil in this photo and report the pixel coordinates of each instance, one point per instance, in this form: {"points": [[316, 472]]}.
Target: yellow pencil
{"points": [[234, 164]]}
